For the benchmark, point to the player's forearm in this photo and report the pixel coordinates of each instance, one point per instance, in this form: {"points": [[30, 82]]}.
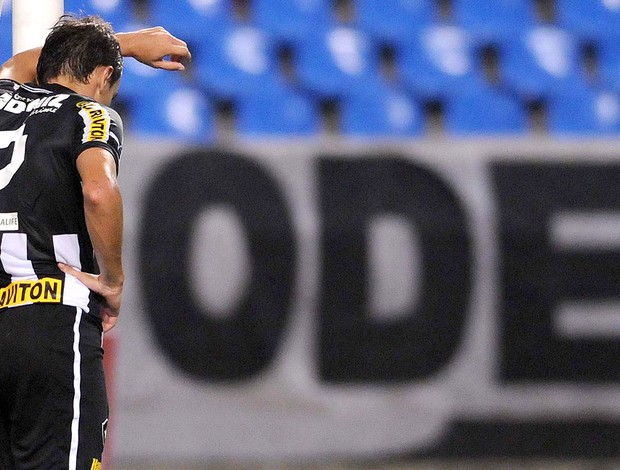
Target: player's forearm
{"points": [[129, 44], [103, 208]]}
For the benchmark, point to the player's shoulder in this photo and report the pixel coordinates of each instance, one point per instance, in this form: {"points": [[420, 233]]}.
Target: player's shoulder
{"points": [[95, 110], [98, 123]]}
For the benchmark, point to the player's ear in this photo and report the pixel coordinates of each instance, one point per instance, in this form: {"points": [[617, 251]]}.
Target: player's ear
{"points": [[108, 72], [102, 75]]}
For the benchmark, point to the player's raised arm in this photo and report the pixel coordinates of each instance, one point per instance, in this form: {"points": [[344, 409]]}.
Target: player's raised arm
{"points": [[155, 47]]}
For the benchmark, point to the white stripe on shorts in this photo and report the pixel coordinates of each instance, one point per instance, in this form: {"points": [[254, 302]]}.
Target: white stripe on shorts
{"points": [[77, 392]]}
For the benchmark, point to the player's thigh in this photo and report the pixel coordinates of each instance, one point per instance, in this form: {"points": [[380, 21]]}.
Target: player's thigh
{"points": [[6, 457]]}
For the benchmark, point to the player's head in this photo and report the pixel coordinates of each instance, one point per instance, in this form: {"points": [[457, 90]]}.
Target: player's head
{"points": [[77, 47]]}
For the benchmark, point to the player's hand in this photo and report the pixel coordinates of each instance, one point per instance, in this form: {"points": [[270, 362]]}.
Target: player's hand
{"points": [[155, 47], [110, 295]]}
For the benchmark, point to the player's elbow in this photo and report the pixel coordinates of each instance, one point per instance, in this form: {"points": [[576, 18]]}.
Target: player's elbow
{"points": [[100, 193]]}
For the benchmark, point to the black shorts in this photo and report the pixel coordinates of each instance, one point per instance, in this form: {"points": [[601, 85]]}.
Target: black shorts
{"points": [[53, 403]]}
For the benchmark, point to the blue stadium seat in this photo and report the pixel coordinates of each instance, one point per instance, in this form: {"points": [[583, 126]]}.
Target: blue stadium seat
{"points": [[237, 61], [492, 20], [484, 111], [139, 79], [276, 112], [583, 111], [6, 33], [392, 20], [608, 51], [189, 19], [437, 61], [539, 60], [334, 61], [590, 19], [381, 112], [290, 20], [116, 12], [180, 113]]}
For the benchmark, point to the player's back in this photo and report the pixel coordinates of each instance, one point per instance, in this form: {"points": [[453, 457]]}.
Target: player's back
{"points": [[42, 132]]}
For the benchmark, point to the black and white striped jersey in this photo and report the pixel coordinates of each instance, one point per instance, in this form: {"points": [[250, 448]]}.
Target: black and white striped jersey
{"points": [[43, 129]]}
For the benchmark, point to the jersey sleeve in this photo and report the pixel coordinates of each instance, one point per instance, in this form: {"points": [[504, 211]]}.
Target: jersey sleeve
{"points": [[98, 126]]}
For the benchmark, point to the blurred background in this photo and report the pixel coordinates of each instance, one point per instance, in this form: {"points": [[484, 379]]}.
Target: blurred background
{"points": [[369, 234]]}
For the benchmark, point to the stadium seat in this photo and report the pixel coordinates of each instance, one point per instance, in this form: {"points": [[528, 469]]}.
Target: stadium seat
{"points": [[540, 60], [491, 20], [116, 12], [583, 111], [608, 55], [6, 32], [592, 20], [140, 80], [237, 61], [437, 61], [276, 112], [180, 113], [291, 20], [392, 20], [190, 19], [334, 61], [381, 112], [484, 111]]}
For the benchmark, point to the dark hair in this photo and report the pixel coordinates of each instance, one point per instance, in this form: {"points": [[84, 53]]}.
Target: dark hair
{"points": [[76, 46]]}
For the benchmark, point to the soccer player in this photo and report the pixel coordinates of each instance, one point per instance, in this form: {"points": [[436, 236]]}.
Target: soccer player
{"points": [[61, 275]]}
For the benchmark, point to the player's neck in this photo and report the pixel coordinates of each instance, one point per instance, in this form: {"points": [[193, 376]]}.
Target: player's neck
{"points": [[81, 88]]}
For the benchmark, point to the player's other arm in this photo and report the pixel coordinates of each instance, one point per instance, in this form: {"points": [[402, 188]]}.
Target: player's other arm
{"points": [[22, 67], [155, 47], [103, 208]]}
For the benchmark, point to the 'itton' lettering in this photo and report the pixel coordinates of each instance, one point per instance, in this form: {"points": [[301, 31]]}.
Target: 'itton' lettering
{"points": [[46, 290]]}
